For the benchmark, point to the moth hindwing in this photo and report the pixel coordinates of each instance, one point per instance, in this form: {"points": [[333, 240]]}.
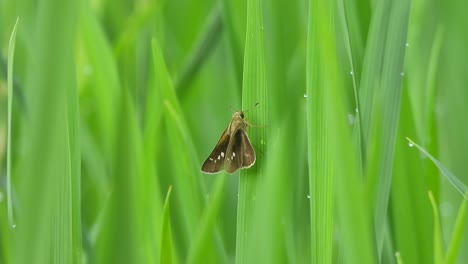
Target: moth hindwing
{"points": [[233, 150]]}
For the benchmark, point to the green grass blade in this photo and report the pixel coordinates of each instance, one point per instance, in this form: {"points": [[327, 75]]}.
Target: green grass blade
{"points": [[372, 67], [254, 89], [430, 116], [320, 175], [99, 82], [11, 54], [457, 234], [234, 19], [385, 111], [184, 167], [410, 211], [118, 224], [333, 167], [142, 15], [201, 243], [437, 240], [49, 186], [205, 45], [167, 252]]}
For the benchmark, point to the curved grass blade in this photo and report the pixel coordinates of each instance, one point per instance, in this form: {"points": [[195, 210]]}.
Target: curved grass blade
{"points": [[11, 54], [459, 185], [438, 243], [206, 43], [184, 165], [167, 252]]}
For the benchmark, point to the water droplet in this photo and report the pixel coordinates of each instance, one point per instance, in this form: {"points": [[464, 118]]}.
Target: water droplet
{"points": [[397, 254], [262, 142], [357, 110], [13, 226], [308, 196], [402, 73], [407, 44], [305, 95], [411, 144], [351, 72]]}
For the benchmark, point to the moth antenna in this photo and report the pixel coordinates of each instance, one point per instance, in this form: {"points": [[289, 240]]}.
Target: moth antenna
{"points": [[251, 107]]}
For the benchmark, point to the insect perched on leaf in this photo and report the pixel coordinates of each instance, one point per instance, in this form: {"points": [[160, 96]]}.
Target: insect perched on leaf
{"points": [[233, 151]]}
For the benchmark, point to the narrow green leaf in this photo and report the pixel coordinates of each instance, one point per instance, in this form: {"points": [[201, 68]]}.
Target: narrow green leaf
{"points": [[142, 15], [410, 212], [167, 252], [430, 131], [381, 104], [120, 226], [99, 83], [189, 199], [438, 243], [254, 89], [201, 242], [11, 55], [457, 234], [459, 185], [204, 47], [234, 19]]}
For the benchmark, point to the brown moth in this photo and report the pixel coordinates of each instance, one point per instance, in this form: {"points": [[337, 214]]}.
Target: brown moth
{"points": [[233, 151]]}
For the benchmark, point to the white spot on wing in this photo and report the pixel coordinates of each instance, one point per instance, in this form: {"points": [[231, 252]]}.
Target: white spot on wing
{"points": [[222, 154], [219, 157], [233, 154], [211, 159]]}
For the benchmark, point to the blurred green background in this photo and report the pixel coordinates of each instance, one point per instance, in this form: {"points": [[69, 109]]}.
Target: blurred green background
{"points": [[114, 105]]}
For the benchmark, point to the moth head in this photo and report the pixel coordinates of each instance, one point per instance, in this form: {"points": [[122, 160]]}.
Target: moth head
{"points": [[239, 114]]}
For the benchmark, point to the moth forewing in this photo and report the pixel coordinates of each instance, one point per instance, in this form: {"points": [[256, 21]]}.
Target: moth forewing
{"points": [[215, 161]]}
